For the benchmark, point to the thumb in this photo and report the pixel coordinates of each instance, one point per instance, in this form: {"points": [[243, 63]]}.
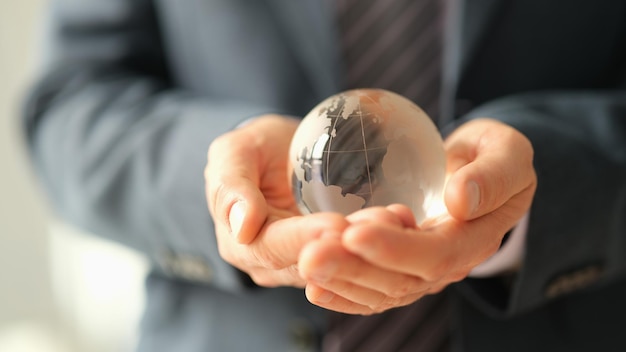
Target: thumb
{"points": [[489, 163], [232, 185]]}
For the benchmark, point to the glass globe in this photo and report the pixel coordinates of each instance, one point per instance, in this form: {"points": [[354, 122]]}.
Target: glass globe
{"points": [[367, 147]]}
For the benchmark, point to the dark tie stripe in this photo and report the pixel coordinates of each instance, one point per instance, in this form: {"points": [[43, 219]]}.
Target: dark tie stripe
{"points": [[389, 44], [403, 62], [419, 327], [391, 20], [395, 45]]}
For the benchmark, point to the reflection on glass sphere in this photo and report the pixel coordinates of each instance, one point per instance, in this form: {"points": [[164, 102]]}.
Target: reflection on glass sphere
{"points": [[364, 148]]}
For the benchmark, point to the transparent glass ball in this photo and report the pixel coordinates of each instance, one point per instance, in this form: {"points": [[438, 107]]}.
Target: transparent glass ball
{"points": [[368, 147]]}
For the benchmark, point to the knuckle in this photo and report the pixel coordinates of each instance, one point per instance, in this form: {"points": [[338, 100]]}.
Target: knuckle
{"points": [[266, 259], [399, 292], [406, 288], [261, 278], [292, 276], [385, 304], [293, 270], [219, 199], [325, 221]]}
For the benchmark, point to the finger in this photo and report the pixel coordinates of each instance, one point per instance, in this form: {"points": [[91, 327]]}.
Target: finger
{"points": [[448, 250], [374, 300], [404, 213], [271, 259], [232, 186], [280, 242], [288, 276], [406, 251], [329, 300], [394, 214], [336, 302], [431, 255], [490, 163], [375, 214], [328, 264]]}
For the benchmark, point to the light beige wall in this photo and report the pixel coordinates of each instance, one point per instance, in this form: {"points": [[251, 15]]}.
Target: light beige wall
{"points": [[29, 319], [58, 287], [23, 278]]}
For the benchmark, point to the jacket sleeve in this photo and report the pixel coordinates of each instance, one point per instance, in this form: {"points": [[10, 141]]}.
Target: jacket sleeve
{"points": [[120, 152], [576, 236]]}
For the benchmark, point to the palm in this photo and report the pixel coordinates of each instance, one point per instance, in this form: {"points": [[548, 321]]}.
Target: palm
{"points": [[248, 167]]}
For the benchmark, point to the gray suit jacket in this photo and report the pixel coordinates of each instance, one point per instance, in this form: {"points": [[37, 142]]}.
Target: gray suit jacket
{"points": [[135, 91]]}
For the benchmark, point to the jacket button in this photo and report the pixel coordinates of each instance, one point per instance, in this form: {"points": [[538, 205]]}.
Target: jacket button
{"points": [[188, 267], [573, 281]]}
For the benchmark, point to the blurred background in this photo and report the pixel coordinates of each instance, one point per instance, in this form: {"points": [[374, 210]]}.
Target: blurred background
{"points": [[60, 290]]}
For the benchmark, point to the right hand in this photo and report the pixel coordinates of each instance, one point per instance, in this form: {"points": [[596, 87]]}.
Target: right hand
{"points": [[258, 226], [383, 260]]}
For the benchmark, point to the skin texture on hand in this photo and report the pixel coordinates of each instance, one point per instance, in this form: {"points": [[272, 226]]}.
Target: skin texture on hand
{"points": [[377, 258], [382, 260], [258, 226]]}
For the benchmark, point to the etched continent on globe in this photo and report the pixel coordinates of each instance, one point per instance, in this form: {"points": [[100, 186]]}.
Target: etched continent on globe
{"points": [[367, 147]]}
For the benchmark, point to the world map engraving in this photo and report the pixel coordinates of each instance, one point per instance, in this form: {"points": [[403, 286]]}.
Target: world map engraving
{"points": [[366, 148]]}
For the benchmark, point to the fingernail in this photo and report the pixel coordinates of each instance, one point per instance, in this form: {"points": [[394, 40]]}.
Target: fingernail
{"points": [[473, 193], [325, 297], [236, 216]]}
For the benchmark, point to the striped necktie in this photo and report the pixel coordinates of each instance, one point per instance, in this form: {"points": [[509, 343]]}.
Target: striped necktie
{"points": [[394, 45], [420, 327]]}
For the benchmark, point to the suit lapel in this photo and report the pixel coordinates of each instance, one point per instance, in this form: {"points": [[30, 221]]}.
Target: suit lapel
{"points": [[309, 28], [467, 23]]}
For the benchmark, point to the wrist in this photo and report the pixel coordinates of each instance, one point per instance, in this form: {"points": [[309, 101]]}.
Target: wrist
{"points": [[508, 259]]}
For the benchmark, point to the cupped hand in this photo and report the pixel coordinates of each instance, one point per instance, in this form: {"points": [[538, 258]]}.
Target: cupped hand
{"points": [[258, 226], [382, 260]]}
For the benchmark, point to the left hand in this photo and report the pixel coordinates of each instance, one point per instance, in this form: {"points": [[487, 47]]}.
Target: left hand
{"points": [[258, 227], [383, 260]]}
